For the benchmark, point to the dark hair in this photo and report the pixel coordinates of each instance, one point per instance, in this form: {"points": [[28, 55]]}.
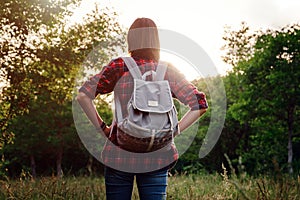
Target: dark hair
{"points": [[143, 39]]}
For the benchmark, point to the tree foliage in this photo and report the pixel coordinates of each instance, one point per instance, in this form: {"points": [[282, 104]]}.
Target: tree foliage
{"points": [[22, 23], [41, 57], [268, 98]]}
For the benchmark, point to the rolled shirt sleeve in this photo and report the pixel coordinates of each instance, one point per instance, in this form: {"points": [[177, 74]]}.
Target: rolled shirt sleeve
{"points": [[103, 82], [185, 91]]}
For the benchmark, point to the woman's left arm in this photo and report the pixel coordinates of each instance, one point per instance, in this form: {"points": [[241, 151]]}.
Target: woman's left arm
{"points": [[189, 118], [89, 108]]}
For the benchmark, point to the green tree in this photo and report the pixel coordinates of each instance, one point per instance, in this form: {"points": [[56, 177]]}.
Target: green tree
{"points": [[272, 76], [20, 27], [46, 82], [268, 96]]}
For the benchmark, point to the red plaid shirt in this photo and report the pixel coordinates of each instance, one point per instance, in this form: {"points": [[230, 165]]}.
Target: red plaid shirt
{"points": [[116, 77]]}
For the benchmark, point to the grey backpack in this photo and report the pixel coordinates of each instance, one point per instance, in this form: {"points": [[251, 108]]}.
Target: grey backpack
{"points": [[152, 117]]}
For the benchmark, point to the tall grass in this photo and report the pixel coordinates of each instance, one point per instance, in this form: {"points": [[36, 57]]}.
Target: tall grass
{"points": [[181, 187], [53, 188]]}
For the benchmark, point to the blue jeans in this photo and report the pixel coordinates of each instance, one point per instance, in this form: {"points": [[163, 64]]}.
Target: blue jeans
{"points": [[151, 185]]}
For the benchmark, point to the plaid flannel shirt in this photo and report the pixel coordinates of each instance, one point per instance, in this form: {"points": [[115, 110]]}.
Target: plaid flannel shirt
{"points": [[116, 77]]}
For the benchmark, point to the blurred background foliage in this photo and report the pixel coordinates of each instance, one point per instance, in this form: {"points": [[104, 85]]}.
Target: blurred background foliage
{"points": [[43, 56]]}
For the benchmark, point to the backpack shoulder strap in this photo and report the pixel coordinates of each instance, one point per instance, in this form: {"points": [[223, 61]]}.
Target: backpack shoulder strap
{"points": [[136, 74], [132, 67], [161, 71]]}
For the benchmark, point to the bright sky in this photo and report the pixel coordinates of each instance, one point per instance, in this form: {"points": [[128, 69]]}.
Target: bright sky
{"points": [[204, 21]]}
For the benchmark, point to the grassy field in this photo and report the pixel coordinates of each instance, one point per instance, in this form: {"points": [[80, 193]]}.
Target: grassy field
{"points": [[181, 187]]}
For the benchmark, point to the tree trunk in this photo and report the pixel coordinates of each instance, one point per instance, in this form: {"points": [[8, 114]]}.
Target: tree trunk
{"points": [[90, 165], [290, 141], [290, 154], [58, 163], [33, 166]]}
